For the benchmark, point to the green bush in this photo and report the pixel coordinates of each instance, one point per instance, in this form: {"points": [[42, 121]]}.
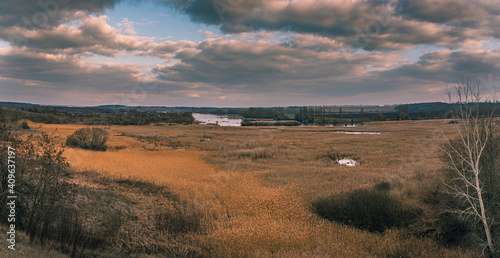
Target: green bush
{"points": [[371, 210], [88, 138]]}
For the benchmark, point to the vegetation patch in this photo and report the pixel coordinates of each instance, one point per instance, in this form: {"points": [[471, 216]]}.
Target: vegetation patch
{"points": [[88, 138], [24, 125], [335, 155], [254, 154], [368, 209]]}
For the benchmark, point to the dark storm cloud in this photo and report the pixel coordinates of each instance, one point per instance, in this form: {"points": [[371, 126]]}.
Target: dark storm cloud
{"points": [[254, 65], [66, 73], [448, 66], [396, 24], [335, 17], [371, 25], [42, 13], [460, 12]]}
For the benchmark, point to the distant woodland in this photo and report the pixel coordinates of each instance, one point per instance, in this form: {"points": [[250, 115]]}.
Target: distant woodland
{"points": [[256, 116]]}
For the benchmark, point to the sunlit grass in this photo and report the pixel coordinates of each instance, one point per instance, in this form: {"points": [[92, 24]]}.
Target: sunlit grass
{"points": [[256, 186]]}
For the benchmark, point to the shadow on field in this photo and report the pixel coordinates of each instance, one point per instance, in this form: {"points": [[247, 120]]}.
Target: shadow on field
{"points": [[374, 209]]}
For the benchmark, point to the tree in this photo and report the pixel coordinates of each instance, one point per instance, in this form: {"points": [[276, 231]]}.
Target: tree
{"points": [[472, 160], [404, 112]]}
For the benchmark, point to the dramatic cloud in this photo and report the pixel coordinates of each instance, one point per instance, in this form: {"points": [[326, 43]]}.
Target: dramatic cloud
{"points": [[448, 66], [38, 14], [314, 42], [92, 36], [235, 62], [253, 52], [66, 73], [373, 24]]}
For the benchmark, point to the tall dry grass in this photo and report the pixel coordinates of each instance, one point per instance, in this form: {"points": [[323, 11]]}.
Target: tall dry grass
{"points": [[254, 186]]}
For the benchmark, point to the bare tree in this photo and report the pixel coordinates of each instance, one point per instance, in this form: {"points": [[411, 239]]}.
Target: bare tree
{"points": [[472, 157]]}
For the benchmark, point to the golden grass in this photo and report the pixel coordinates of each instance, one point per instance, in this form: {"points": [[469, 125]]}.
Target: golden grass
{"points": [[185, 171], [257, 183], [61, 131]]}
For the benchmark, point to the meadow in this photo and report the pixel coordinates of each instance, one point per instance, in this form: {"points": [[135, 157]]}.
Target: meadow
{"points": [[248, 191]]}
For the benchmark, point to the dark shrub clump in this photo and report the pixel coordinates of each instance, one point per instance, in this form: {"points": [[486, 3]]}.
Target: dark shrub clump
{"points": [[24, 125], [371, 210], [383, 186], [88, 138]]}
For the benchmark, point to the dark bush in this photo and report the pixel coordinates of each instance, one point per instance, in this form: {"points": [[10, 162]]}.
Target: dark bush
{"points": [[372, 210], [24, 125], [87, 138], [451, 229], [383, 186]]}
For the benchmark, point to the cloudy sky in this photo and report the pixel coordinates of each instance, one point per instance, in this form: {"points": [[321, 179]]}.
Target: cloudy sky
{"points": [[244, 52]]}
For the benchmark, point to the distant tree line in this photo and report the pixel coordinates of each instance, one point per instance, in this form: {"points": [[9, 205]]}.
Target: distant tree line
{"points": [[323, 115], [93, 116], [134, 117], [276, 113]]}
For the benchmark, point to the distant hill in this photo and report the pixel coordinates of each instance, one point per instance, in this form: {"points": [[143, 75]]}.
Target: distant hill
{"points": [[111, 106], [17, 105], [427, 107], [414, 108]]}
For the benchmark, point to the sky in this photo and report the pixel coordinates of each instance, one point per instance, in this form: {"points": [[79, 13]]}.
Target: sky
{"points": [[241, 53]]}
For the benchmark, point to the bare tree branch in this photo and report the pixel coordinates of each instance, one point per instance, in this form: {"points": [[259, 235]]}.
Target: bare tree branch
{"points": [[466, 154]]}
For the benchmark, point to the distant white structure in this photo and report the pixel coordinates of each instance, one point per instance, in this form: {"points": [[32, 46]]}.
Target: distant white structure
{"points": [[216, 120], [347, 162]]}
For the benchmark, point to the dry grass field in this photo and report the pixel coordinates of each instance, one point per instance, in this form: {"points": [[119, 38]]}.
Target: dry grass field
{"points": [[254, 186]]}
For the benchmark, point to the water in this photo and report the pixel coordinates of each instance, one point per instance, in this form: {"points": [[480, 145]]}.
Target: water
{"points": [[206, 119], [352, 132], [353, 125]]}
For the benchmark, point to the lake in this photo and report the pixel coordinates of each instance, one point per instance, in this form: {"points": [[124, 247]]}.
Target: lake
{"points": [[216, 120]]}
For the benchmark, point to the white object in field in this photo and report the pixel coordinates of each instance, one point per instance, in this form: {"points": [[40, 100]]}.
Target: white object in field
{"points": [[351, 132], [347, 162]]}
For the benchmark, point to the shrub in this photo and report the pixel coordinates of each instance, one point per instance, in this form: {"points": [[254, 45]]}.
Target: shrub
{"points": [[87, 138], [451, 229], [5, 127], [45, 195], [371, 210], [24, 125]]}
